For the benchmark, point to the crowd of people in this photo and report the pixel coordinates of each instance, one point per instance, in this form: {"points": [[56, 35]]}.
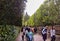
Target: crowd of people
{"points": [[28, 32]]}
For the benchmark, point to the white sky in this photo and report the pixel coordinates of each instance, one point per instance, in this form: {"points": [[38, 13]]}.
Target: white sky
{"points": [[32, 6]]}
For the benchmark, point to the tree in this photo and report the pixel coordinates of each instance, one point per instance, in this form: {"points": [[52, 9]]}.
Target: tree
{"points": [[11, 11], [10, 15], [25, 18], [48, 13]]}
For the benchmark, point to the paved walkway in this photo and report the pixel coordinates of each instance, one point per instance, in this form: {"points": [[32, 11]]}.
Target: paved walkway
{"points": [[37, 37]]}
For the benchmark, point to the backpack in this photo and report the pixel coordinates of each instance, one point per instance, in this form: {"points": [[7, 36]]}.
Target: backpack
{"points": [[44, 31]]}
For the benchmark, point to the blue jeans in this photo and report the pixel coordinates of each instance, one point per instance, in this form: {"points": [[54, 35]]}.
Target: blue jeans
{"points": [[30, 39]]}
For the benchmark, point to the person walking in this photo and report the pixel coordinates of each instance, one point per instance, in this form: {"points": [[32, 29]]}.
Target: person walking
{"points": [[44, 33], [23, 33], [26, 32], [30, 35], [41, 31], [52, 33], [35, 30]]}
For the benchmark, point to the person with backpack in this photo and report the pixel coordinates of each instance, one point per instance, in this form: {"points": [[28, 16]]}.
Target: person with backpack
{"points": [[26, 32], [44, 33]]}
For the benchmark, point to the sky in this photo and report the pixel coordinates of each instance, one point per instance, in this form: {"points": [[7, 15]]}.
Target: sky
{"points": [[32, 6]]}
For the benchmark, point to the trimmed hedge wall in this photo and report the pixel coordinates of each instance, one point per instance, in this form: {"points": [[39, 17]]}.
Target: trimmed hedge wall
{"points": [[8, 32]]}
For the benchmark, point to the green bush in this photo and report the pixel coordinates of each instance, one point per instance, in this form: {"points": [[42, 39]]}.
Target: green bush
{"points": [[8, 32]]}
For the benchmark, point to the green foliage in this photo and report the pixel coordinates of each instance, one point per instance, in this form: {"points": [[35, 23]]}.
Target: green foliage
{"points": [[8, 32], [11, 12], [30, 21], [47, 14], [25, 18]]}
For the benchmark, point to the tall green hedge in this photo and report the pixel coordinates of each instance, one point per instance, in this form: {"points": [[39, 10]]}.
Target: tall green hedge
{"points": [[8, 33]]}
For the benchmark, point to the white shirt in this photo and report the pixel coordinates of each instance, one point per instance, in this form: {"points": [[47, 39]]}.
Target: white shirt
{"points": [[52, 32], [26, 32]]}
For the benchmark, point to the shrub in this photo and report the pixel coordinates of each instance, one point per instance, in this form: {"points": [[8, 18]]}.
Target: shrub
{"points": [[8, 33]]}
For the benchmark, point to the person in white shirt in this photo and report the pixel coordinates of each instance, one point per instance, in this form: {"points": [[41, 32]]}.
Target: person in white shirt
{"points": [[52, 33]]}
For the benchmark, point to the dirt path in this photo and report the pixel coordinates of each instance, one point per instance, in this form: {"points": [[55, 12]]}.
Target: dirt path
{"points": [[37, 37]]}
